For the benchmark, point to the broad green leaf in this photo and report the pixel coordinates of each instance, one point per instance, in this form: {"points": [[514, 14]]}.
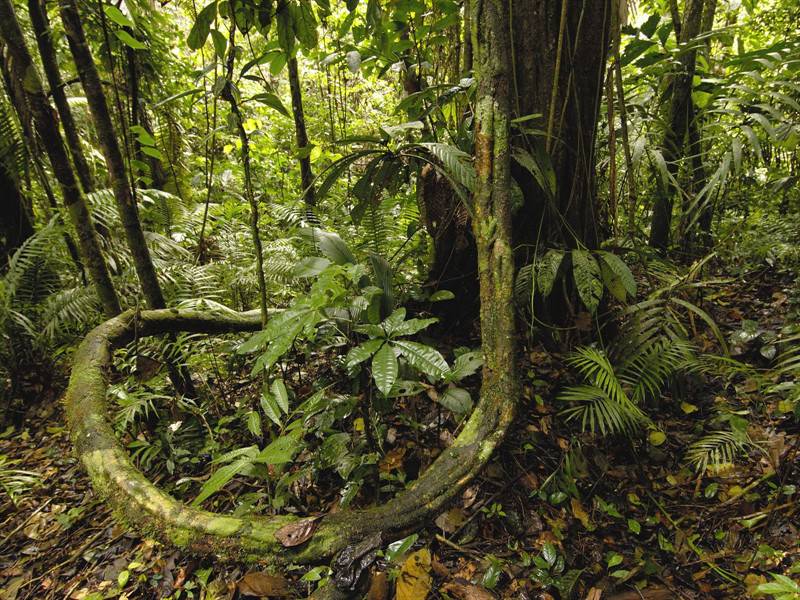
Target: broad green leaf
{"points": [[621, 271], [413, 326], [220, 43], [361, 353], [117, 16], [384, 369], [547, 270], [587, 278], [425, 359], [270, 407], [466, 364], [202, 27], [254, 423], [441, 295], [281, 451], [278, 389], [456, 399], [220, 477], [130, 41], [272, 101]]}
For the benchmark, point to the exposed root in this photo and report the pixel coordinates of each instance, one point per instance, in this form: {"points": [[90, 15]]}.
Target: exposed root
{"points": [[143, 506]]}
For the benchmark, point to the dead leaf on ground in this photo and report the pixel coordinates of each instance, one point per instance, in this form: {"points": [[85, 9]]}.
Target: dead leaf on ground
{"points": [[414, 581], [297, 532], [451, 520], [594, 594], [378, 586], [467, 591], [264, 585], [655, 592]]}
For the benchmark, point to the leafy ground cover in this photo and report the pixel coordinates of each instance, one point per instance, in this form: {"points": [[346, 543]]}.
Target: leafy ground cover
{"points": [[554, 514]]}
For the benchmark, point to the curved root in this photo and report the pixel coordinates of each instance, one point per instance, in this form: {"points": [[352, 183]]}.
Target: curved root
{"points": [[142, 505]]}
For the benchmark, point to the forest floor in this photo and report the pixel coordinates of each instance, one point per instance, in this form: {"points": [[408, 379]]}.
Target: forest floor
{"points": [[645, 527]]}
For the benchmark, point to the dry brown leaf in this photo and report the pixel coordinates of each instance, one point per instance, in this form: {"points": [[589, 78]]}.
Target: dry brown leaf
{"points": [[469, 496], [264, 585], [414, 581], [378, 586], [466, 591], [594, 594], [451, 520], [297, 532], [393, 460]]}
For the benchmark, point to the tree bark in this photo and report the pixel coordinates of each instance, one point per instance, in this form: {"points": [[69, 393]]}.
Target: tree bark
{"points": [[44, 40], [306, 174], [16, 226], [569, 88], [42, 113], [677, 127]]}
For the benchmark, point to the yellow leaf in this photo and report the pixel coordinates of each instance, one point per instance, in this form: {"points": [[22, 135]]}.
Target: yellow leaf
{"points": [[688, 408], [657, 437], [358, 425], [581, 514], [414, 581]]}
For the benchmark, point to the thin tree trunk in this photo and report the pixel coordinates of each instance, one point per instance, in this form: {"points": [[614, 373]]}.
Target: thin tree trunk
{"points": [[44, 40], [25, 70], [229, 95], [109, 145], [123, 192], [677, 126], [306, 174], [34, 151]]}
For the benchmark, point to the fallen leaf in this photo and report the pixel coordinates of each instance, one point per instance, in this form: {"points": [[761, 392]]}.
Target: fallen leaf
{"points": [[297, 532], [469, 496], [414, 581], [580, 513], [451, 520], [264, 585], [378, 586], [467, 591], [594, 594], [393, 460]]}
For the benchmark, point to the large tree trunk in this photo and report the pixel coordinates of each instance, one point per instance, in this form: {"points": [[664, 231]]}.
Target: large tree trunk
{"points": [[306, 174], [677, 127], [560, 50], [42, 112], [41, 29]]}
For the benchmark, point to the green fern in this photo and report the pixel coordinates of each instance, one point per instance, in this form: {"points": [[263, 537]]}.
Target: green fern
{"points": [[717, 448]]}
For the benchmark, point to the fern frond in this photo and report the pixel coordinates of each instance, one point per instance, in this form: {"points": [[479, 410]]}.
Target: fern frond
{"points": [[717, 448]]}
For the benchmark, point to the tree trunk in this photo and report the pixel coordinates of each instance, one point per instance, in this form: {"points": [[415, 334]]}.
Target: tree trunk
{"points": [[560, 51], [126, 203], [34, 151], [42, 112], [16, 226], [677, 127], [41, 29], [306, 174]]}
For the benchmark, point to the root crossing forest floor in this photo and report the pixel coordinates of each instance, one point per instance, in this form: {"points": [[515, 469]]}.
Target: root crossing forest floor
{"points": [[642, 525]]}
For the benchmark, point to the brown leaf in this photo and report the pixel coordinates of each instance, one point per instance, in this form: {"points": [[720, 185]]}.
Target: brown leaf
{"points": [[297, 532], [451, 520], [393, 460], [146, 368], [466, 591], [378, 586], [594, 594], [264, 585], [469, 496]]}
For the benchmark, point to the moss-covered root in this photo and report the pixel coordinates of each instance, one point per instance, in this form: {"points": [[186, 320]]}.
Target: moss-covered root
{"points": [[139, 503]]}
